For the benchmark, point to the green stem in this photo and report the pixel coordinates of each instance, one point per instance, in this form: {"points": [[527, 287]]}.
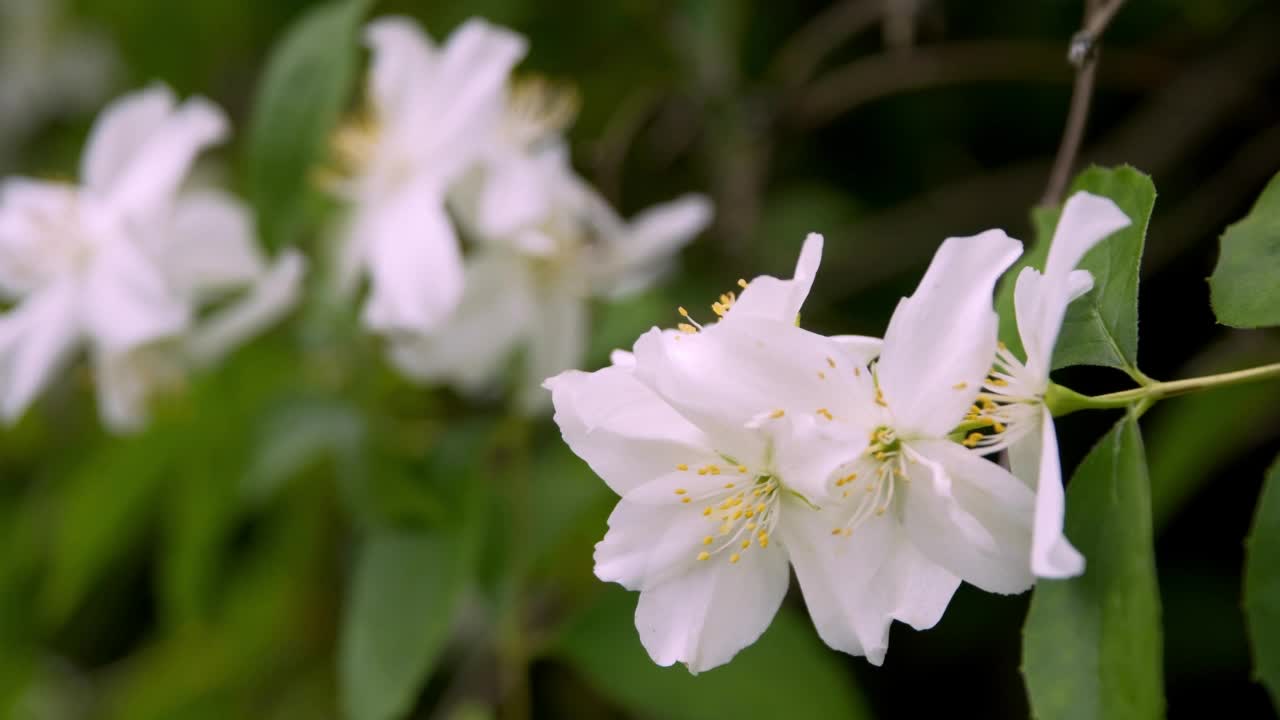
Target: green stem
{"points": [[1063, 401]]}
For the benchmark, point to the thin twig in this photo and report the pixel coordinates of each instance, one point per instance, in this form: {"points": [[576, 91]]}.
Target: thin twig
{"points": [[868, 79], [1073, 135], [1084, 55], [805, 50]]}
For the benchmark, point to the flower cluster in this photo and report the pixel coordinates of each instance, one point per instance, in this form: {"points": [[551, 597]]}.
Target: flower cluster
{"points": [[122, 263], [450, 147], [130, 264], [746, 446]]}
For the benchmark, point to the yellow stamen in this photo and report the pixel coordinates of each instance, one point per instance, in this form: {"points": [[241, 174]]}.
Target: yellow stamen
{"points": [[704, 555]]}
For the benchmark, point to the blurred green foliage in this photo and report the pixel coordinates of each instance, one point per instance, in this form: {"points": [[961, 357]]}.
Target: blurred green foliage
{"points": [[302, 503]]}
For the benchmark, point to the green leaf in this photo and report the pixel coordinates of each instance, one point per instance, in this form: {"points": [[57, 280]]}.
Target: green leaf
{"points": [[305, 86], [106, 507], [1100, 328], [810, 680], [1243, 288], [1262, 585], [1092, 644], [400, 607]]}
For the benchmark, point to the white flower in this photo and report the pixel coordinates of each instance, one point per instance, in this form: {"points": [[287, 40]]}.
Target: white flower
{"points": [[430, 112], [530, 279], [122, 262], [705, 493], [1013, 399], [47, 69], [901, 518]]}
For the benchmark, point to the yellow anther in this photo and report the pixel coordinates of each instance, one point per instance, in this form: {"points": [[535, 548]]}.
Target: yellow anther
{"points": [[746, 544], [751, 513], [686, 500], [880, 399], [708, 540], [973, 439], [822, 375], [831, 363], [681, 491], [737, 514], [824, 413], [742, 469], [960, 386], [751, 526], [857, 372], [686, 328], [844, 494], [742, 283], [999, 382], [879, 511], [1000, 344], [719, 309], [727, 486], [998, 427], [760, 508], [713, 469], [706, 511], [682, 467], [764, 539], [777, 414], [847, 532], [682, 311], [734, 558], [836, 531], [704, 555]]}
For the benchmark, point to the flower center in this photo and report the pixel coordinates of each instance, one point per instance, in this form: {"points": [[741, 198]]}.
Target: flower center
{"points": [[1005, 408], [869, 488], [721, 308], [742, 511], [537, 109]]}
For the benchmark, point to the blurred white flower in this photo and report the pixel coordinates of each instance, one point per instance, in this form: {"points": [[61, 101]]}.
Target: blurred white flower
{"points": [[47, 70], [705, 496], [1013, 399], [430, 111], [121, 263], [546, 243]]}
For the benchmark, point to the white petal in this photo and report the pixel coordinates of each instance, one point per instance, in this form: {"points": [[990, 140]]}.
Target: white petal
{"points": [[120, 132], [643, 251], [1042, 302], [705, 616], [781, 299], [126, 382], [856, 586], [402, 57], [472, 348], [150, 171], [514, 194], [859, 349], [127, 300], [271, 297], [941, 340], [731, 373], [414, 261], [625, 432], [461, 100], [970, 516], [211, 248], [649, 544], [33, 216], [1034, 460], [36, 338], [557, 343]]}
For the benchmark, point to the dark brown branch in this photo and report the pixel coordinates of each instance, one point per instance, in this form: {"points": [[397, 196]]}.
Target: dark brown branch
{"points": [[1083, 53]]}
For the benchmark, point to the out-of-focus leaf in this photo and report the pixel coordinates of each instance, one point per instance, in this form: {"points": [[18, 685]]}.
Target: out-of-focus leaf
{"points": [[406, 585], [1243, 288], [1190, 437], [401, 605], [1092, 644], [297, 435], [1262, 585], [307, 81], [105, 509], [265, 621], [602, 645]]}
